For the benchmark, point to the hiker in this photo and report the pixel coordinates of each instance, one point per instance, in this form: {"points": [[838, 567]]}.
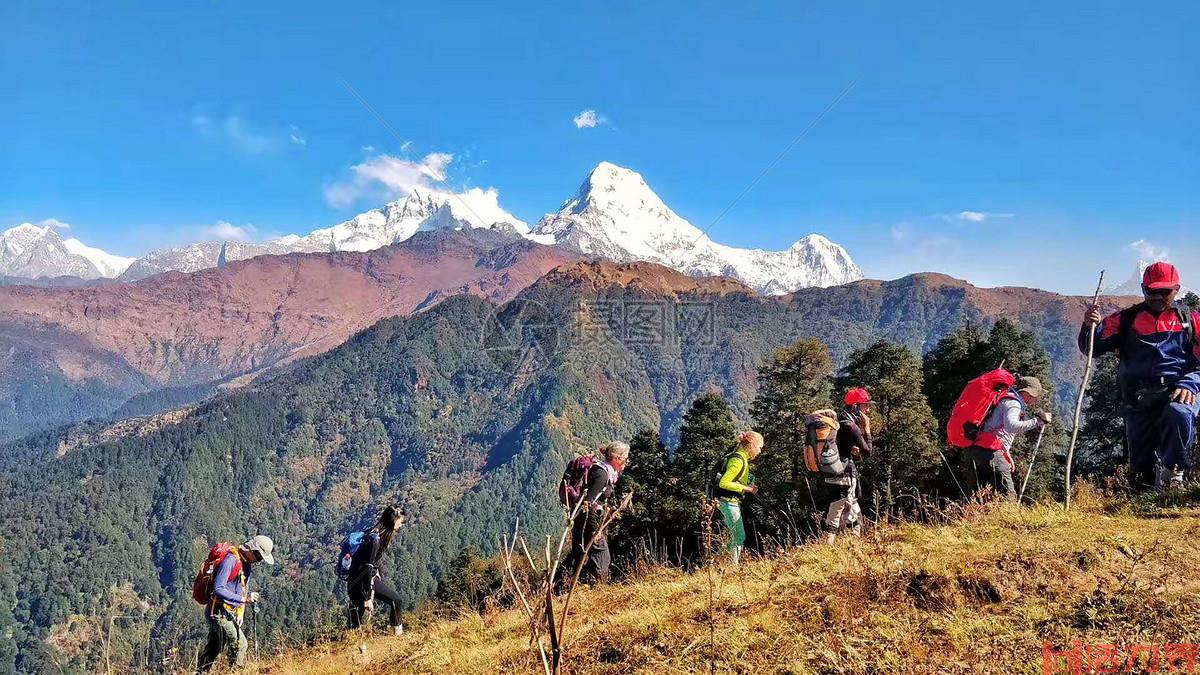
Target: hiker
{"points": [[1159, 376], [225, 578], [601, 477], [364, 583], [853, 440], [988, 459], [735, 481]]}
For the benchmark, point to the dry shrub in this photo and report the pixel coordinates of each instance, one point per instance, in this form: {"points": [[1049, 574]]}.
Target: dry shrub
{"points": [[933, 591]]}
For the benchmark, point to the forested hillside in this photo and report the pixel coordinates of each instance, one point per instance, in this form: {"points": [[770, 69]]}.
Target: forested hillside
{"points": [[67, 354], [464, 413]]}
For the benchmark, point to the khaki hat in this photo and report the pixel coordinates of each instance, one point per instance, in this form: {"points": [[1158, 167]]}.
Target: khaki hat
{"points": [[1031, 386], [263, 545]]}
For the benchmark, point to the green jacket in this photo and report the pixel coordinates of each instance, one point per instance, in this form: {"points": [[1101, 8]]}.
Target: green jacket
{"points": [[736, 478]]}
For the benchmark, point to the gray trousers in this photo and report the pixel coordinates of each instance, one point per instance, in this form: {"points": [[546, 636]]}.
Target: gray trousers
{"points": [[842, 510], [224, 635], [990, 467]]}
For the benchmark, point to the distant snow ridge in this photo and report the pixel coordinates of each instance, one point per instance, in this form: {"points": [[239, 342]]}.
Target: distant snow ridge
{"points": [[33, 251], [421, 210], [617, 216]]}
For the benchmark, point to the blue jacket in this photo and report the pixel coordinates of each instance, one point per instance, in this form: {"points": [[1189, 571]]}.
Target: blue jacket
{"points": [[229, 594], [1154, 346]]}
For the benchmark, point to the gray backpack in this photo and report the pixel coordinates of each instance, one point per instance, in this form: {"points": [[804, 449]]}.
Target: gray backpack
{"points": [[821, 454]]}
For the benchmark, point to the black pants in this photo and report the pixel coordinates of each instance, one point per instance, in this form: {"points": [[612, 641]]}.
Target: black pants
{"points": [[383, 593], [990, 467], [596, 560]]}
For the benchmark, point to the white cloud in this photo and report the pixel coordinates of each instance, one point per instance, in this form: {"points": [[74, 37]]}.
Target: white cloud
{"points": [[368, 148], [974, 216], [388, 177], [55, 223], [246, 137], [227, 231], [589, 119], [1148, 251]]}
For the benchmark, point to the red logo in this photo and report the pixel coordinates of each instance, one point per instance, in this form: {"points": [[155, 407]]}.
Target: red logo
{"points": [[1082, 658]]}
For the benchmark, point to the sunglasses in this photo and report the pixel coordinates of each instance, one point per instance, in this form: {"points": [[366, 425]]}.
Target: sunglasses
{"points": [[1159, 292]]}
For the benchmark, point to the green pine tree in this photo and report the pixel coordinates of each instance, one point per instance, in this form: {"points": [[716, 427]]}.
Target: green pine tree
{"points": [[794, 382]]}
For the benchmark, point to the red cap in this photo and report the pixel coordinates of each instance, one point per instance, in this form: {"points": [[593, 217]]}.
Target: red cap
{"points": [[1161, 275], [857, 395]]}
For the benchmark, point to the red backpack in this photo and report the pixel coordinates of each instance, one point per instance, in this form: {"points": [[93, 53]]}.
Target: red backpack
{"points": [[574, 482], [202, 587], [973, 407]]}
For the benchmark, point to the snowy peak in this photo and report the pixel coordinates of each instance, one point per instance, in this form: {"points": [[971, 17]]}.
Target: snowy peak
{"points": [[616, 215], [33, 251], [108, 264], [613, 188], [421, 210]]}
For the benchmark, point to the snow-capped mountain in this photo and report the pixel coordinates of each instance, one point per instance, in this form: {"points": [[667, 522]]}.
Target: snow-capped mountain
{"points": [[615, 215], [198, 256], [34, 251], [421, 209], [108, 264]]}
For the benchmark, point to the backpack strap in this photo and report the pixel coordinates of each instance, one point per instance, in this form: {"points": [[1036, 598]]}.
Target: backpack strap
{"points": [[1125, 323], [1185, 317]]}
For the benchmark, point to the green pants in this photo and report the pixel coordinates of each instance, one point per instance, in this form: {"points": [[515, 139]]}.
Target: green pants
{"points": [[731, 510], [223, 635]]}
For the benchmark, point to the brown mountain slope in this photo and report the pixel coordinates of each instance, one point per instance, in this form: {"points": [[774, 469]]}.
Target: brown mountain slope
{"points": [[69, 353]]}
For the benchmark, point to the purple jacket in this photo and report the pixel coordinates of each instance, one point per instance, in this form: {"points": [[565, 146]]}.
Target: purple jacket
{"points": [[229, 594]]}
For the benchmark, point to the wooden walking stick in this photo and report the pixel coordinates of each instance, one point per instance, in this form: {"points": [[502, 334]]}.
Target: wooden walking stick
{"points": [[1087, 375]]}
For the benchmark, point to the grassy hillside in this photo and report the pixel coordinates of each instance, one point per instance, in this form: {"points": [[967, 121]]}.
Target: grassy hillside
{"points": [[465, 413], [978, 595]]}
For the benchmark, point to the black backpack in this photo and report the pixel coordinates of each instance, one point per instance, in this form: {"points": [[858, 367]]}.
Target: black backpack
{"points": [[712, 486]]}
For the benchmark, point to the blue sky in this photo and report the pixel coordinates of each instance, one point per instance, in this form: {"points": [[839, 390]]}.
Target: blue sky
{"points": [[1072, 125]]}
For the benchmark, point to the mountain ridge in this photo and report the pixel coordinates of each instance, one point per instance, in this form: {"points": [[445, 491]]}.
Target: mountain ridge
{"points": [[181, 329], [614, 215]]}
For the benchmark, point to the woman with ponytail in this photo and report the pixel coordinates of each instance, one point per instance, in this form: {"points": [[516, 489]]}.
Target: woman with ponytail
{"points": [[366, 585], [736, 481]]}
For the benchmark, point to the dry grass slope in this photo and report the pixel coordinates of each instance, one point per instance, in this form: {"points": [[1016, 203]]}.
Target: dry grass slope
{"points": [[978, 595]]}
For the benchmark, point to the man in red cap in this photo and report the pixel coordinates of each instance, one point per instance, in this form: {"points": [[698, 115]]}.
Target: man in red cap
{"points": [[853, 442], [1159, 376]]}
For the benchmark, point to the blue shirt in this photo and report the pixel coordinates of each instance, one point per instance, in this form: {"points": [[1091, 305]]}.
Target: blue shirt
{"points": [[229, 594]]}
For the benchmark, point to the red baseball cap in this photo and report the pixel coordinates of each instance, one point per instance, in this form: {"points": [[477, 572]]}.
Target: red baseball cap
{"points": [[857, 396], [1161, 275]]}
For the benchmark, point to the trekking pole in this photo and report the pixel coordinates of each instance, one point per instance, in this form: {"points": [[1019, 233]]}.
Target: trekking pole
{"points": [[254, 628], [1032, 459], [951, 470], [1087, 375]]}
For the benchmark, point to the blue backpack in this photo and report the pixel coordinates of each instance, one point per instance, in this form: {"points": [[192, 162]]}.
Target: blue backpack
{"points": [[346, 551]]}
